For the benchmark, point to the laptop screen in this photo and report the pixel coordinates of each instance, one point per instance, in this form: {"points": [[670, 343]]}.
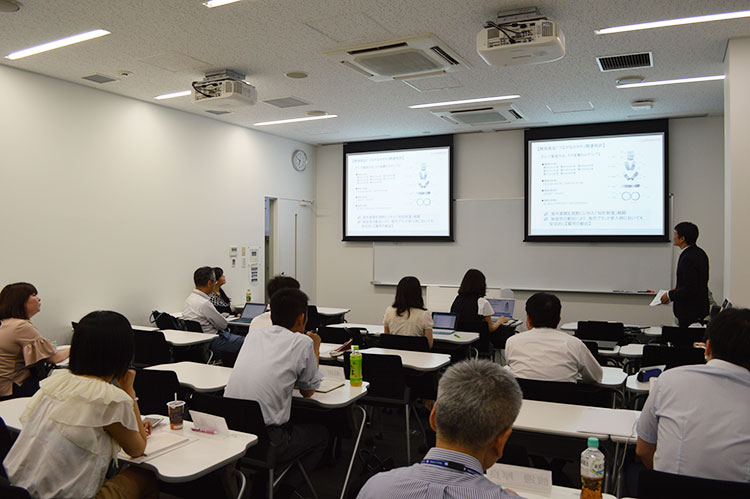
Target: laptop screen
{"points": [[443, 321], [252, 310], [502, 308]]}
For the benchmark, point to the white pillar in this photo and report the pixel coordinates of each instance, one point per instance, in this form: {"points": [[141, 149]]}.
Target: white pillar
{"points": [[737, 173]]}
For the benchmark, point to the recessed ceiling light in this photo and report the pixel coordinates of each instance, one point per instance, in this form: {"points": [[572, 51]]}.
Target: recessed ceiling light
{"points": [[316, 112], [674, 22], [181, 93], [465, 101], [63, 42], [295, 120], [296, 74], [218, 3], [627, 80], [642, 105], [8, 6], [672, 82]]}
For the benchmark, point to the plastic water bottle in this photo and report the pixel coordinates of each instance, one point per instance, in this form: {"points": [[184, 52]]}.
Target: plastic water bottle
{"points": [[355, 367], [592, 470], [248, 296]]}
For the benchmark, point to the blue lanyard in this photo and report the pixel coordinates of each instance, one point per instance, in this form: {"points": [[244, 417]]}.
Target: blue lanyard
{"points": [[452, 465]]}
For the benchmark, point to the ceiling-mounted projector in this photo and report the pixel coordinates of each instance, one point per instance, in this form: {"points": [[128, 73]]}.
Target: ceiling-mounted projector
{"points": [[224, 89], [521, 36]]}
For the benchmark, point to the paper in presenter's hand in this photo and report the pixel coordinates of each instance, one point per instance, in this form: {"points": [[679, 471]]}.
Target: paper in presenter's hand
{"points": [[657, 299]]}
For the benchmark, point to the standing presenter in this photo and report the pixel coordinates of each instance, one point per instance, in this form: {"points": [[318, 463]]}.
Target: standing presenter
{"points": [[690, 295]]}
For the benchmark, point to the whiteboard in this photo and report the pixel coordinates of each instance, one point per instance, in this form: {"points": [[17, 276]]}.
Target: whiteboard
{"points": [[489, 237]]}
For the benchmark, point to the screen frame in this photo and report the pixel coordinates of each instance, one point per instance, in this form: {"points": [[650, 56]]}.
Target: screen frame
{"points": [[408, 143], [611, 129]]}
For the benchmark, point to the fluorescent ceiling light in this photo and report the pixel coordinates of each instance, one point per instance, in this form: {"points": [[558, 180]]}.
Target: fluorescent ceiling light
{"points": [[674, 22], [672, 82], [465, 101], [182, 93], [295, 120], [218, 3], [64, 42]]}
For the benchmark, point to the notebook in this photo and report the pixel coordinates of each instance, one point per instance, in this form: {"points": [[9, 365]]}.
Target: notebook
{"points": [[250, 312], [443, 323]]}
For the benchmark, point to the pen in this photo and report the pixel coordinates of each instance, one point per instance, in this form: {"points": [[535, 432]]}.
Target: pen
{"points": [[457, 336], [212, 432]]}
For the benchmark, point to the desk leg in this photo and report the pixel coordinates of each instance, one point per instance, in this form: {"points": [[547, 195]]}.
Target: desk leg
{"points": [[354, 452]]}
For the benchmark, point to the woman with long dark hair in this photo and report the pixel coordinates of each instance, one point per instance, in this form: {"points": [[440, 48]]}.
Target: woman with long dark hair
{"points": [[471, 305], [408, 315]]}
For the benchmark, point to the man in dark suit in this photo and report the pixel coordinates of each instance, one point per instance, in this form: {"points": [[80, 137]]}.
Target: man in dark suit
{"points": [[690, 295]]}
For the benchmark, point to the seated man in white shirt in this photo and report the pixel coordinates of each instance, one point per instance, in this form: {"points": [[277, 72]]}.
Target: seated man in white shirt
{"points": [[696, 420], [276, 283], [267, 370], [476, 405], [543, 352], [199, 308]]}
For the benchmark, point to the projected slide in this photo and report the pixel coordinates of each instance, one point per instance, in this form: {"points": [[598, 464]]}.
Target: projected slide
{"points": [[402, 193], [597, 186]]}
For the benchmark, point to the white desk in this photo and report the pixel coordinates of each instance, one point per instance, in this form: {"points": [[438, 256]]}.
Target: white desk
{"points": [[186, 338], [612, 377], [573, 326], [633, 385], [144, 328], [199, 377], [556, 492], [10, 411], [632, 351], [458, 337], [652, 331], [332, 311], [204, 454], [419, 361]]}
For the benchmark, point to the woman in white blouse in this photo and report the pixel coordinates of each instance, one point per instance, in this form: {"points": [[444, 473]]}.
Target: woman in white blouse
{"points": [[78, 420], [408, 316]]}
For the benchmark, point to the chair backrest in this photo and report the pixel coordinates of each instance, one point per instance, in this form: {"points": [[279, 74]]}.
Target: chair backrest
{"points": [[599, 330], [228, 359], [337, 335], [193, 326], [682, 336], [477, 326], [384, 373], [155, 389], [358, 335], [660, 485], [411, 343], [548, 391], [5, 443], [655, 355], [151, 348], [241, 415], [313, 318], [165, 321]]}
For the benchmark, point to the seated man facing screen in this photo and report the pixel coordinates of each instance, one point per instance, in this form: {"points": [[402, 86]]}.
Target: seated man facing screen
{"points": [[267, 370], [476, 405], [696, 420], [276, 283], [199, 308], [543, 352]]}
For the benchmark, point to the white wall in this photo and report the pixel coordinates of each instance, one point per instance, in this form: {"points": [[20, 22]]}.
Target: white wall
{"points": [[111, 203], [490, 166]]}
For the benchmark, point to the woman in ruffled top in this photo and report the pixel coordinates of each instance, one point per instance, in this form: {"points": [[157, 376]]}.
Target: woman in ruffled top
{"points": [[21, 345], [78, 420]]}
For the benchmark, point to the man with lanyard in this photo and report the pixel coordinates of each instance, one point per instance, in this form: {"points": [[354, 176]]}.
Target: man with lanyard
{"points": [[476, 405], [199, 308]]}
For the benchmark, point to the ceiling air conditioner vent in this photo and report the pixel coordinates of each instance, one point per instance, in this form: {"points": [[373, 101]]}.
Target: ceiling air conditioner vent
{"points": [[625, 61], [413, 57], [499, 114]]}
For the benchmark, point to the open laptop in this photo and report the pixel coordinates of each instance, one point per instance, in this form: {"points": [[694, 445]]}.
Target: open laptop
{"points": [[250, 312], [504, 308], [607, 335], [443, 323]]}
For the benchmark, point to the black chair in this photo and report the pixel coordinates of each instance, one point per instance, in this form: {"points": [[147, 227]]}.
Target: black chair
{"points": [[411, 343], [682, 336], [246, 416], [5, 443], [155, 389], [660, 485], [337, 335], [193, 326], [603, 361], [151, 348], [228, 359], [483, 345], [385, 374], [599, 330], [165, 321], [548, 391], [359, 337], [656, 355], [313, 318]]}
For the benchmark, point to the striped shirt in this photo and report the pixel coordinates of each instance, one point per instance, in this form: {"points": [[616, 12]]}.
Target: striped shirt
{"points": [[428, 481]]}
